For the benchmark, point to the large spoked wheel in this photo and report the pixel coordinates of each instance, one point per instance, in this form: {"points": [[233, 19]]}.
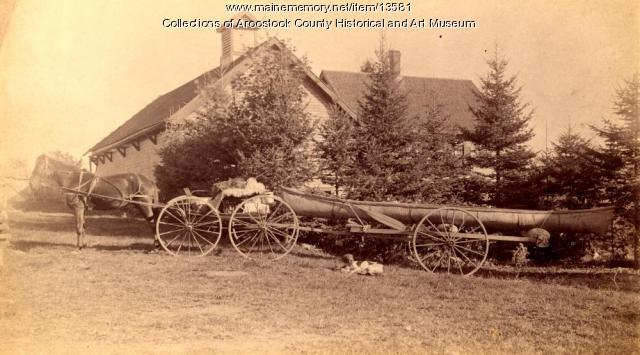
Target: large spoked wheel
{"points": [[450, 239], [263, 228], [188, 225]]}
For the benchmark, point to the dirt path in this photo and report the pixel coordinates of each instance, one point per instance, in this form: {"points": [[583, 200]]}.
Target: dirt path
{"points": [[114, 298]]}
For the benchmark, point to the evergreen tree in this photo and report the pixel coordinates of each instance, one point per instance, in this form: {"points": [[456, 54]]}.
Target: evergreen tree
{"points": [[621, 154], [186, 157], [392, 155], [500, 134], [267, 133], [571, 176], [384, 138], [335, 148], [263, 130], [440, 164]]}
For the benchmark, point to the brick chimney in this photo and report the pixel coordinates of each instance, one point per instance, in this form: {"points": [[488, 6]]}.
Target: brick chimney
{"points": [[394, 61]]}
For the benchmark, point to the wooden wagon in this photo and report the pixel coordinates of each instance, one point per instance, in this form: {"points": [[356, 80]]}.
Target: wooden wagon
{"points": [[453, 239]]}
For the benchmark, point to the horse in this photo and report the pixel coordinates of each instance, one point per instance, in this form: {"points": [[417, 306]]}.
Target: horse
{"points": [[84, 189], [41, 186]]}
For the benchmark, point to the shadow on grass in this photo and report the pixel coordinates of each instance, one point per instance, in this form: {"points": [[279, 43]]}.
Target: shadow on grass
{"points": [[225, 243], [600, 279], [142, 247], [310, 255], [32, 205], [96, 226], [27, 245]]}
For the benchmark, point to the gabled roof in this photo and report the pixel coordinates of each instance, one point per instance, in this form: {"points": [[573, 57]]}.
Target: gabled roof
{"points": [[339, 87], [455, 96], [156, 112], [153, 116]]}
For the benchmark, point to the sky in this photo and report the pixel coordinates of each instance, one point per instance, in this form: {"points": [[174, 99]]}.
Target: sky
{"points": [[73, 71]]}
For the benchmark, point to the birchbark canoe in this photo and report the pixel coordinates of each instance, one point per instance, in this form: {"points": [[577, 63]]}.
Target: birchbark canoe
{"points": [[595, 220]]}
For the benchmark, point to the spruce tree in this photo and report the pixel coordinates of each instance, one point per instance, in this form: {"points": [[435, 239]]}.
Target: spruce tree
{"points": [[391, 155], [571, 175], [384, 150], [335, 148], [500, 134], [621, 155], [440, 170]]}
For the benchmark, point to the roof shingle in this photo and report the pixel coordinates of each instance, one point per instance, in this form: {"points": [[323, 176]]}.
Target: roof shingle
{"points": [[455, 96]]}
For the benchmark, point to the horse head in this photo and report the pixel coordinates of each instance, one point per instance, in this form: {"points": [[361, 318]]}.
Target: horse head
{"points": [[44, 171], [64, 178]]}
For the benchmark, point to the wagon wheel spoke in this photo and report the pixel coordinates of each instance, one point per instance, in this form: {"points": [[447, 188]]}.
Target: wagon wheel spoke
{"points": [[473, 230], [437, 264], [201, 237], [171, 231], [257, 219], [461, 228], [207, 223], [188, 210], [172, 240], [273, 213], [243, 222], [444, 226], [276, 239], [459, 265], [249, 239], [202, 230], [181, 242], [255, 238], [188, 243], [469, 250], [203, 216], [436, 229], [261, 239], [273, 223], [278, 232], [174, 217], [182, 211], [171, 224], [429, 244], [465, 256], [428, 259], [430, 236], [238, 234], [280, 218], [430, 250], [197, 220], [267, 237], [195, 239]]}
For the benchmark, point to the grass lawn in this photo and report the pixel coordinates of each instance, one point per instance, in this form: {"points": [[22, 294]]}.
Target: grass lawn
{"points": [[115, 298]]}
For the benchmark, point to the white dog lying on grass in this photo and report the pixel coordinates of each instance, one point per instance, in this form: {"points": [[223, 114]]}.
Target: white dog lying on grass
{"points": [[362, 268]]}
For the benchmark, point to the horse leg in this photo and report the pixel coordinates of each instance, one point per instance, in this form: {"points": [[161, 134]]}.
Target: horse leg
{"points": [[149, 215], [80, 226], [78, 212], [77, 206]]}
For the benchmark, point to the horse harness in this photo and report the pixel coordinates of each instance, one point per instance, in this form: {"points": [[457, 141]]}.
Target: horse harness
{"points": [[85, 197], [81, 195]]}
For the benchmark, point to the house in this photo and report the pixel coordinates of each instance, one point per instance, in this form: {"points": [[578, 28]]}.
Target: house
{"points": [[133, 147]]}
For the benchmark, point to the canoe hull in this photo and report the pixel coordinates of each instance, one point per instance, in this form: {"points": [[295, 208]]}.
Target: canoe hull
{"points": [[596, 220]]}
